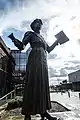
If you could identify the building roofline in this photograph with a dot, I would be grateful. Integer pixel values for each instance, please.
(4, 46)
(74, 72)
(6, 49)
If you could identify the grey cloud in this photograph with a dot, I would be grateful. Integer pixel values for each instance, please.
(7, 5)
(55, 27)
(52, 56)
(63, 72)
(52, 72)
(79, 41)
(25, 24)
(10, 4)
(73, 67)
(73, 17)
(74, 62)
(51, 1)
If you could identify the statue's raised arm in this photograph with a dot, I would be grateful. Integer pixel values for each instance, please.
(16, 42)
(50, 48)
(21, 45)
(61, 39)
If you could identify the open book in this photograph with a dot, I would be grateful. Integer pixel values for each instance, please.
(62, 37)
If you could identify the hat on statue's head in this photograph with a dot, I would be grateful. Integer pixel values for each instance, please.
(34, 22)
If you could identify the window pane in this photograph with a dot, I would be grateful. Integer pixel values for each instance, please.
(17, 61)
(22, 68)
(23, 55)
(23, 61)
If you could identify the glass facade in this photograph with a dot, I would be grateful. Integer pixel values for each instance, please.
(21, 59)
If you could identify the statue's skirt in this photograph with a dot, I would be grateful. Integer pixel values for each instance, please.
(36, 97)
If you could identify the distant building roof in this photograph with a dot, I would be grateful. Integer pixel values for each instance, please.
(78, 71)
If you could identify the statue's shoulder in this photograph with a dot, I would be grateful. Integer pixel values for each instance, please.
(28, 33)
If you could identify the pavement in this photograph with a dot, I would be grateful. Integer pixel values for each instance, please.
(72, 103)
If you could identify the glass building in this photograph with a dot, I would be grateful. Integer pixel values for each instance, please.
(21, 59)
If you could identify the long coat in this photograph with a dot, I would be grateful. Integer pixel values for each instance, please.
(36, 97)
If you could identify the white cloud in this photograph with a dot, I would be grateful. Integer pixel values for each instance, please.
(15, 17)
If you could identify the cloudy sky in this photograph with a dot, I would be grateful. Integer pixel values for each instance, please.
(57, 15)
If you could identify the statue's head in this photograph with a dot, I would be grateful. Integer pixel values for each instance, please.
(36, 25)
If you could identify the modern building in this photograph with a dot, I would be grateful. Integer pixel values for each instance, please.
(74, 78)
(21, 59)
(7, 64)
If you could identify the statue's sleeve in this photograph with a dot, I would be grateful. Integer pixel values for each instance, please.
(21, 45)
(26, 38)
(50, 48)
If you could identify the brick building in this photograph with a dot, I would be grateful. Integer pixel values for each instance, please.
(6, 67)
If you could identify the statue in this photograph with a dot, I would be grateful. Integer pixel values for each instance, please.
(36, 97)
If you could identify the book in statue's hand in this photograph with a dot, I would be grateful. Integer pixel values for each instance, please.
(61, 37)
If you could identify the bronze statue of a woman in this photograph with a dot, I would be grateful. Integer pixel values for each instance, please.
(36, 97)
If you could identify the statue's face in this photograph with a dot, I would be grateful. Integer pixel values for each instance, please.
(37, 26)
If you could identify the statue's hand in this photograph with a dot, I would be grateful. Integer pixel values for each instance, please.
(16, 42)
(11, 36)
(57, 42)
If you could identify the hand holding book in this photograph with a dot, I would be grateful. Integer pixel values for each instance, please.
(61, 37)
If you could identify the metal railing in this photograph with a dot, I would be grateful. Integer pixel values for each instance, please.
(9, 94)
(12, 94)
